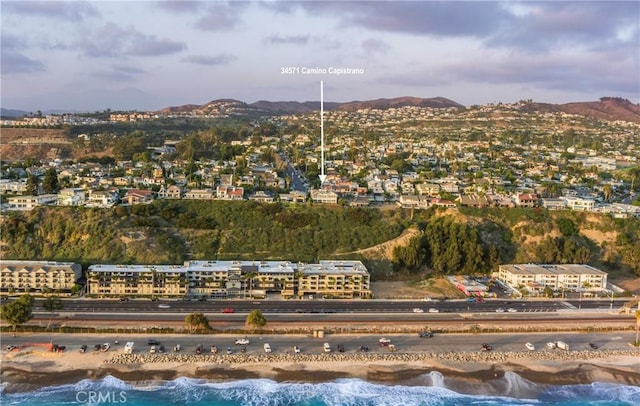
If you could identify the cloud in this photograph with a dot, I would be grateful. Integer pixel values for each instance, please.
(221, 16)
(222, 59)
(423, 18)
(373, 45)
(584, 73)
(113, 41)
(543, 26)
(64, 10)
(120, 74)
(13, 60)
(277, 39)
(187, 6)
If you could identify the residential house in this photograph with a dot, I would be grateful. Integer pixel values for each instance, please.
(138, 196)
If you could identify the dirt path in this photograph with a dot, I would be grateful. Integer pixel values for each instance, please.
(385, 250)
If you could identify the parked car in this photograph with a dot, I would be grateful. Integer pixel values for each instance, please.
(340, 348)
(153, 341)
(486, 347)
(530, 346)
(425, 334)
(434, 310)
(199, 349)
(229, 350)
(593, 346)
(105, 347)
(499, 310)
(214, 349)
(512, 310)
(296, 349)
(11, 347)
(177, 348)
(83, 348)
(326, 347)
(242, 341)
(418, 310)
(153, 349)
(267, 348)
(551, 345)
(384, 342)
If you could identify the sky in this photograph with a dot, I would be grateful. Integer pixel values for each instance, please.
(147, 55)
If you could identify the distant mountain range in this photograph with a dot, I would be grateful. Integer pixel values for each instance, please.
(607, 108)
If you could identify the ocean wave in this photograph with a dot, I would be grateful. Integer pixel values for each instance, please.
(347, 392)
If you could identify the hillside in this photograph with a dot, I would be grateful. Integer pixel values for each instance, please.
(608, 108)
(395, 244)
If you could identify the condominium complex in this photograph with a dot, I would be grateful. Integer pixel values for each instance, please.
(535, 277)
(231, 279)
(38, 276)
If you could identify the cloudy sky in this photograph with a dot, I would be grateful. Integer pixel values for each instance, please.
(146, 55)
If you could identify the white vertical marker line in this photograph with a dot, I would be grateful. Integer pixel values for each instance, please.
(322, 175)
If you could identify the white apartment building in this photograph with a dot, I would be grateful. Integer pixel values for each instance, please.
(535, 277)
(38, 276)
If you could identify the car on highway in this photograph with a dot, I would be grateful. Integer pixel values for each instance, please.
(242, 341)
(153, 341)
(499, 310)
(340, 348)
(530, 346)
(164, 306)
(267, 348)
(418, 310)
(434, 310)
(512, 310)
(425, 334)
(227, 310)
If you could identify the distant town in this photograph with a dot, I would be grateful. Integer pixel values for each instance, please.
(496, 155)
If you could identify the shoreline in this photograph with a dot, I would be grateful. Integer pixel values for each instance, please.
(460, 371)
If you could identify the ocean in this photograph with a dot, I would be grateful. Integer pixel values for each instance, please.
(512, 389)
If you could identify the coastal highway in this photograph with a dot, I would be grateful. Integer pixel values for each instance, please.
(411, 342)
(330, 306)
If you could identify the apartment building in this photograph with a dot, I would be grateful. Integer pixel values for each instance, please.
(137, 280)
(535, 277)
(230, 279)
(38, 276)
(339, 279)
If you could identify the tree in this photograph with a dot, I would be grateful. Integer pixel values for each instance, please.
(50, 183)
(32, 185)
(197, 321)
(51, 305)
(256, 319)
(17, 312)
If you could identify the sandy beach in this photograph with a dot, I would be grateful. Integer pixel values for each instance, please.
(30, 369)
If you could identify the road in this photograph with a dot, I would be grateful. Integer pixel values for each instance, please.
(440, 343)
(329, 306)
